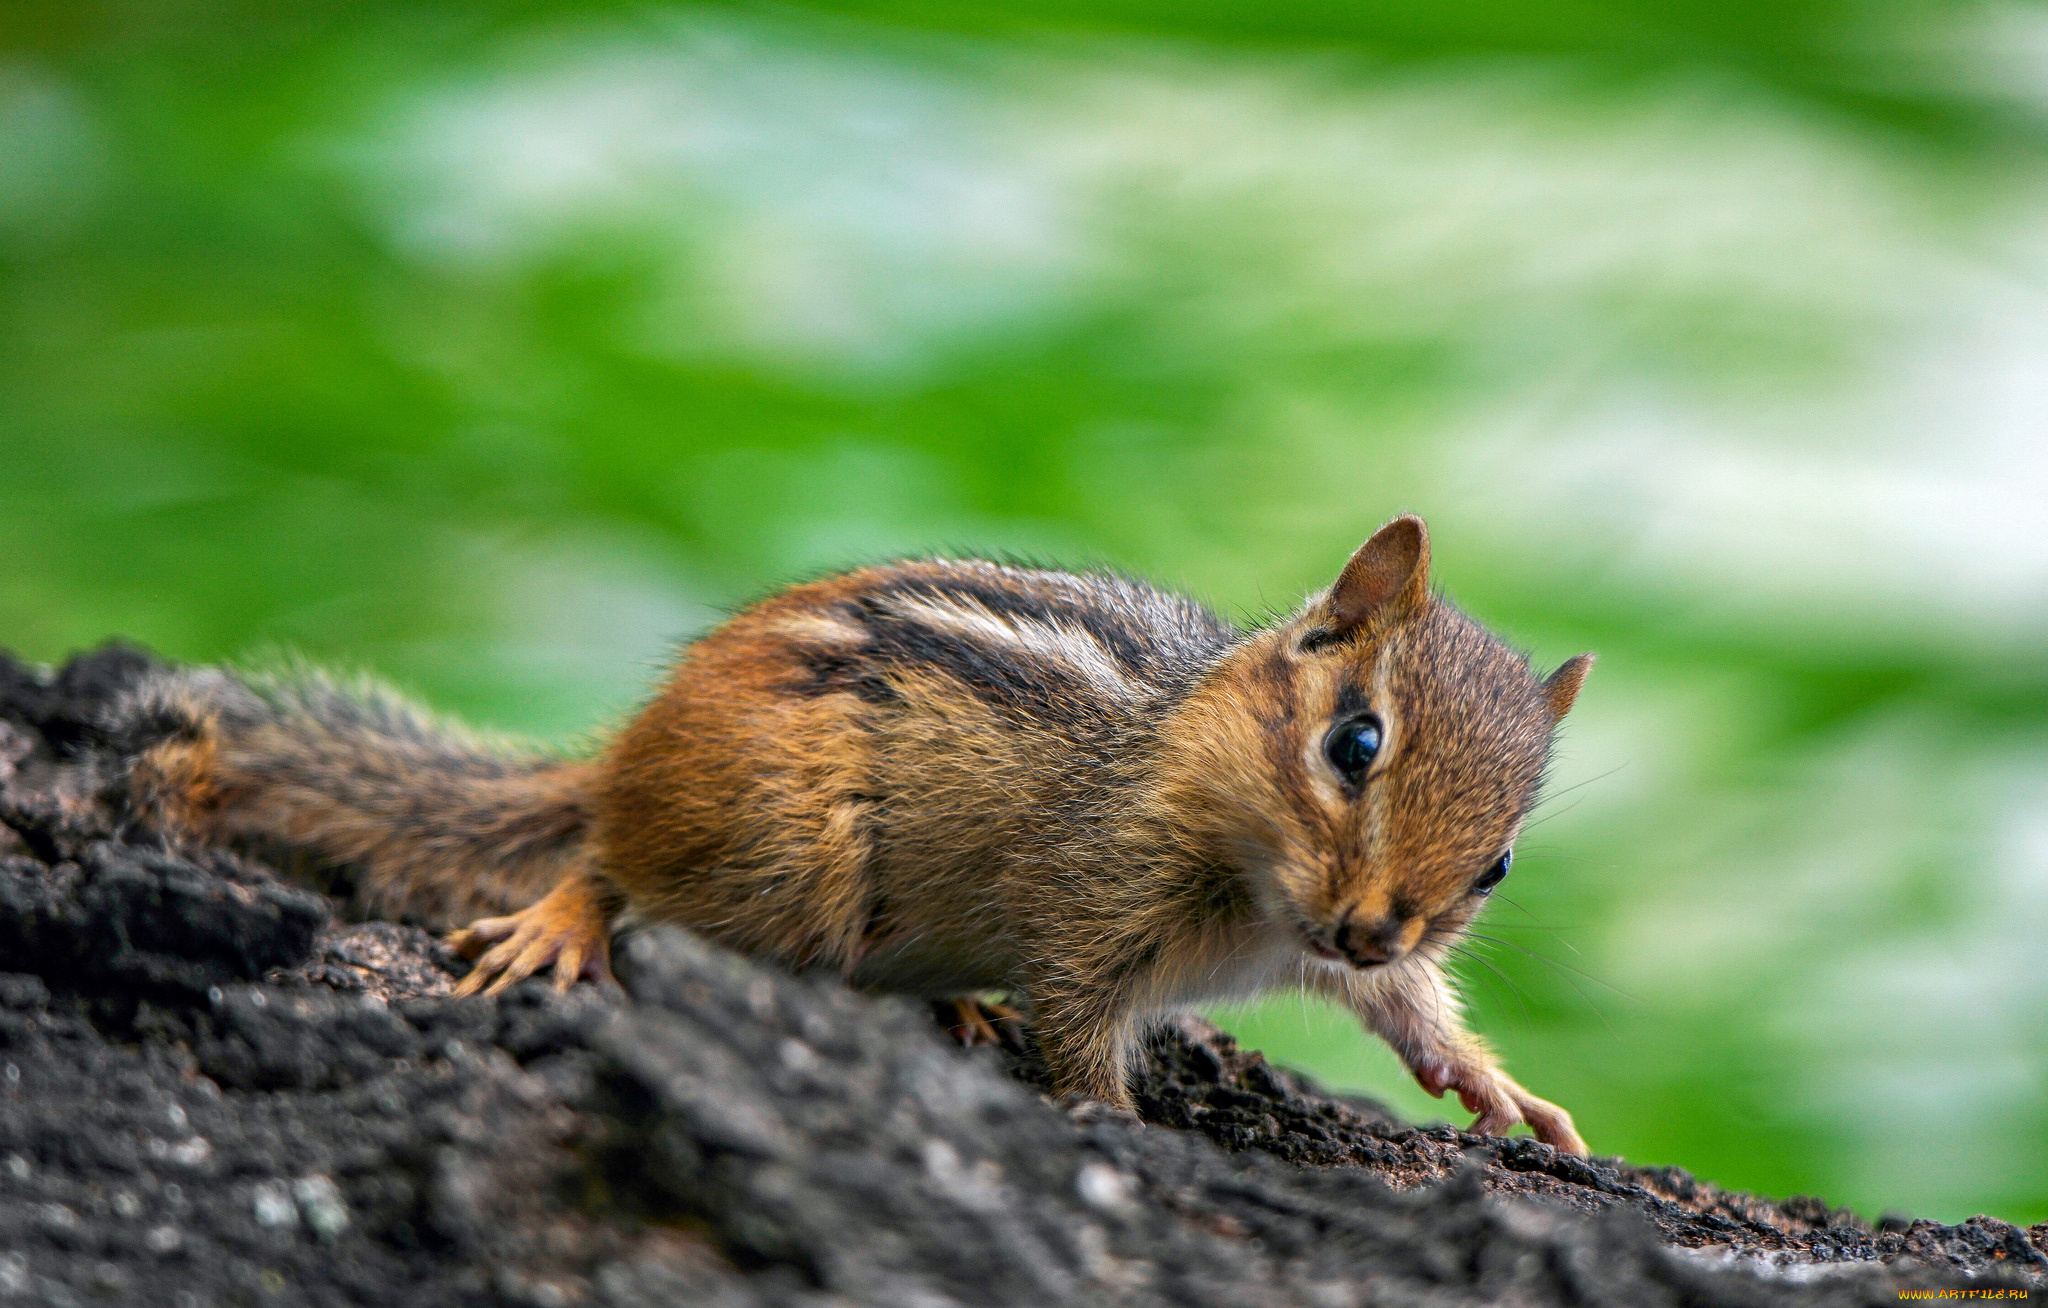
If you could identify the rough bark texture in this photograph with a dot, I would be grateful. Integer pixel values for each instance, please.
(215, 1090)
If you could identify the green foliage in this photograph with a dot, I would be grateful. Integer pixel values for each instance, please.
(497, 347)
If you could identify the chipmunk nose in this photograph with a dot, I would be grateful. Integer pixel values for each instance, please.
(1371, 943)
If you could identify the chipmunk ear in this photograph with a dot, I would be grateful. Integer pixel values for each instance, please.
(1390, 569)
(1562, 686)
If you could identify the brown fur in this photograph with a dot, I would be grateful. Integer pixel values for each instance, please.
(435, 825)
(944, 777)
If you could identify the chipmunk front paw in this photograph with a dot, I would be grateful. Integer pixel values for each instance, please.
(569, 928)
(1500, 1104)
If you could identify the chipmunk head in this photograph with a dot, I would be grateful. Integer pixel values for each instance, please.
(1368, 763)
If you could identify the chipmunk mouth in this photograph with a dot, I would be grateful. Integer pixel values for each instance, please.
(1319, 949)
(1331, 953)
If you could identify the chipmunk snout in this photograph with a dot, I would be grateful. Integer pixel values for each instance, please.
(1374, 941)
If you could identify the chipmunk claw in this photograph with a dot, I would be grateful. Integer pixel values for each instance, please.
(977, 1019)
(567, 929)
(1552, 1125)
(1501, 1104)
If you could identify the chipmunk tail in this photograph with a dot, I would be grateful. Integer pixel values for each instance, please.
(349, 785)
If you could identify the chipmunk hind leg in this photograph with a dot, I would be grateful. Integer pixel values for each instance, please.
(743, 806)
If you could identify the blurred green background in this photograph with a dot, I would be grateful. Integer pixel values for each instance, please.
(497, 346)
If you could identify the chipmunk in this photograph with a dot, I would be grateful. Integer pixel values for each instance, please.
(943, 777)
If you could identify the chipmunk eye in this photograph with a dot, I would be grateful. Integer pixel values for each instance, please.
(1494, 875)
(1351, 747)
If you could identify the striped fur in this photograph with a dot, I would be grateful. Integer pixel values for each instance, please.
(941, 777)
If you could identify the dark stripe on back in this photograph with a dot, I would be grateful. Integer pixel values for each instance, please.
(835, 670)
(1146, 631)
(1129, 647)
(1160, 642)
(1033, 689)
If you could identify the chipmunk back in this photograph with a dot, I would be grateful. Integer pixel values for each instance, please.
(942, 777)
